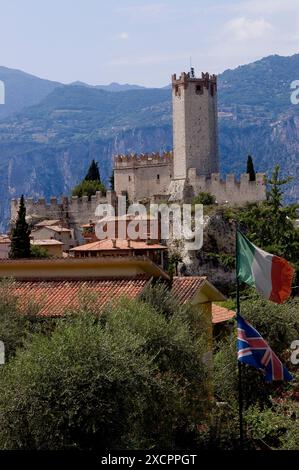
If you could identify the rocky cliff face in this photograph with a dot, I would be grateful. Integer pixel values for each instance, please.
(60, 168)
(270, 143)
(215, 259)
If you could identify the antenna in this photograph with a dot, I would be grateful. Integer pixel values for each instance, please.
(192, 74)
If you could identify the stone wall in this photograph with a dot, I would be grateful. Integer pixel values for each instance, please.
(229, 190)
(143, 176)
(138, 176)
(72, 212)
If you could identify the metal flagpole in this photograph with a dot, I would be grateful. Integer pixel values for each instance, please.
(240, 390)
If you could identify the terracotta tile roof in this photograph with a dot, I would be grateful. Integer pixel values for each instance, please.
(54, 228)
(55, 298)
(128, 217)
(185, 288)
(57, 228)
(4, 239)
(45, 242)
(221, 314)
(121, 244)
(43, 223)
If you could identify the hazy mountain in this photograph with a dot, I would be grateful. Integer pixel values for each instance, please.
(22, 90)
(46, 148)
(113, 87)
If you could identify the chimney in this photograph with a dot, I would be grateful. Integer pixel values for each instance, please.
(113, 243)
(129, 243)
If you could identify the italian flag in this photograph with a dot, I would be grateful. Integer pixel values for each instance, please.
(270, 275)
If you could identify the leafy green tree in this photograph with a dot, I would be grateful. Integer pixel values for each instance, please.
(270, 224)
(111, 181)
(279, 325)
(175, 256)
(250, 169)
(93, 173)
(161, 299)
(88, 188)
(267, 406)
(13, 324)
(39, 252)
(20, 237)
(206, 199)
(130, 379)
(91, 183)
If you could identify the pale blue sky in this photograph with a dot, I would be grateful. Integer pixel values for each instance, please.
(140, 41)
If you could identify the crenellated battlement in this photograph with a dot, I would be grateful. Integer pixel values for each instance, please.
(72, 210)
(229, 189)
(63, 203)
(142, 160)
(207, 81)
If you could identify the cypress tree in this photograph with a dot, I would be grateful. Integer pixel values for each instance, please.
(20, 238)
(111, 181)
(91, 183)
(250, 169)
(93, 173)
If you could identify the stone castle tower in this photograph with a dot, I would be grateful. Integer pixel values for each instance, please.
(193, 166)
(195, 125)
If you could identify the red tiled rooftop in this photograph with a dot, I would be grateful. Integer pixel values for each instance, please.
(4, 239)
(121, 244)
(54, 228)
(47, 222)
(46, 242)
(57, 228)
(55, 298)
(185, 288)
(220, 314)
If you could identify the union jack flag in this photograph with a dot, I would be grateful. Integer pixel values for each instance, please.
(255, 351)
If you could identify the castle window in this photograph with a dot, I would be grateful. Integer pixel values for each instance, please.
(177, 90)
(129, 178)
(199, 89)
(158, 177)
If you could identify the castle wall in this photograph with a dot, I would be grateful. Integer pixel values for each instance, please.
(229, 190)
(142, 176)
(73, 212)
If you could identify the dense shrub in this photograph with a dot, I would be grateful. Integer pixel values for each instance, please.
(132, 378)
(88, 188)
(206, 199)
